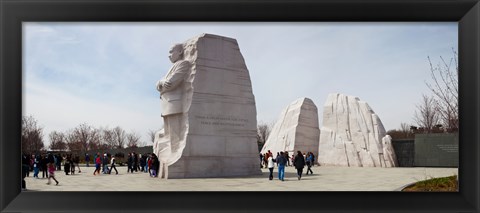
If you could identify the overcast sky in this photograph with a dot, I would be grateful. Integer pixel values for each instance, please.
(104, 74)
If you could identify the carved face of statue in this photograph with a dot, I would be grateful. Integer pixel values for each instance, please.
(175, 53)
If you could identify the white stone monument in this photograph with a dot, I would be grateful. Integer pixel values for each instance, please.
(388, 152)
(209, 111)
(351, 134)
(295, 130)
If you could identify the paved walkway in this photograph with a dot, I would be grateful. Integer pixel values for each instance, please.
(323, 179)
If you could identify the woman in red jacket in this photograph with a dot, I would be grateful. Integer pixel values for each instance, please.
(98, 162)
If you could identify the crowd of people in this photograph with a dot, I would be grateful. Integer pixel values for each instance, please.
(282, 160)
(48, 163)
(105, 163)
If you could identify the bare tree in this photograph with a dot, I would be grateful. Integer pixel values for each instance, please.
(119, 136)
(57, 141)
(263, 131)
(151, 134)
(95, 139)
(83, 138)
(32, 135)
(82, 133)
(108, 138)
(445, 90)
(73, 143)
(133, 140)
(427, 114)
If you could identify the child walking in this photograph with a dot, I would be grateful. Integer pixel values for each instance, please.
(51, 173)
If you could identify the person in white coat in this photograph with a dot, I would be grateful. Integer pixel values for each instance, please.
(271, 165)
(112, 165)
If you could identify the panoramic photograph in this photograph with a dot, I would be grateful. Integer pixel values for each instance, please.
(211, 106)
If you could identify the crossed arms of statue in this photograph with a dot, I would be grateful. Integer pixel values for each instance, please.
(174, 77)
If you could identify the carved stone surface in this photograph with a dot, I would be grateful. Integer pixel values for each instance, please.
(295, 130)
(388, 152)
(219, 127)
(351, 134)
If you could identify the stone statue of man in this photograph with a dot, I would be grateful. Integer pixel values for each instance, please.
(171, 86)
(172, 92)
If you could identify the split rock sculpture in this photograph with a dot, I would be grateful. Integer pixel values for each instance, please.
(351, 134)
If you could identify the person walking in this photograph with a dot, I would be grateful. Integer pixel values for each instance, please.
(155, 166)
(142, 162)
(66, 165)
(271, 165)
(147, 157)
(265, 159)
(59, 162)
(281, 162)
(130, 163)
(309, 162)
(87, 160)
(72, 165)
(105, 163)
(76, 163)
(51, 173)
(43, 166)
(299, 163)
(135, 162)
(112, 166)
(98, 162)
(149, 164)
(36, 166)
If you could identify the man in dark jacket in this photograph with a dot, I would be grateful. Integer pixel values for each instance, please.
(281, 161)
(135, 162)
(59, 162)
(299, 163)
(142, 163)
(105, 163)
(87, 160)
(43, 165)
(130, 163)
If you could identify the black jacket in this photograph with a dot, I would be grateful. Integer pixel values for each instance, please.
(299, 162)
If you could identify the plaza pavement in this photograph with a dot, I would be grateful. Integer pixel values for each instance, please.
(323, 179)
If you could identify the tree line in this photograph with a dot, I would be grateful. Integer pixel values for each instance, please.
(79, 139)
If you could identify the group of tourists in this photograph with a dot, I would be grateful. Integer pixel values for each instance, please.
(146, 163)
(282, 160)
(70, 162)
(102, 163)
(47, 163)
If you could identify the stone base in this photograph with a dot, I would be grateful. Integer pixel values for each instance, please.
(208, 167)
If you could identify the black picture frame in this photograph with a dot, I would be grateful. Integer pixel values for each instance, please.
(14, 12)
